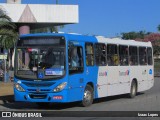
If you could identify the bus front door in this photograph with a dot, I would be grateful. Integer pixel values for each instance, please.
(76, 73)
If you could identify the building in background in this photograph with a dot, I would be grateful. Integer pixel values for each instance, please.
(29, 1)
(33, 14)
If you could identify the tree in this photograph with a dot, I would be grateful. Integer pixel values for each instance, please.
(158, 28)
(134, 35)
(154, 38)
(8, 34)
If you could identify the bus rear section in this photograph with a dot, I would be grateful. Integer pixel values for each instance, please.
(128, 68)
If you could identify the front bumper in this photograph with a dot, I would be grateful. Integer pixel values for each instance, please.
(60, 97)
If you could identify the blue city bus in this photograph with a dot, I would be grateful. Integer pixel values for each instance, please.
(62, 68)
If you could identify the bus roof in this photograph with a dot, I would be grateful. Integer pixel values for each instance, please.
(100, 39)
(120, 41)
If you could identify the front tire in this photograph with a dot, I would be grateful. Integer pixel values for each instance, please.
(133, 90)
(87, 96)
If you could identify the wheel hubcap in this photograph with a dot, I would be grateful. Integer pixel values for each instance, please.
(87, 96)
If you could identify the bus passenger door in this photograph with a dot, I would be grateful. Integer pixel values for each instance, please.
(90, 69)
(76, 73)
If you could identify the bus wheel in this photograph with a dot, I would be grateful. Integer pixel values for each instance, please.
(133, 90)
(88, 96)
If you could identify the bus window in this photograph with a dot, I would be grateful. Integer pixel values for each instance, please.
(75, 59)
(133, 55)
(100, 54)
(142, 56)
(123, 55)
(89, 54)
(149, 56)
(24, 60)
(112, 55)
(1, 51)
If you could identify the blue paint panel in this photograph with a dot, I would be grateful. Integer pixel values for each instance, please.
(3, 1)
(38, 1)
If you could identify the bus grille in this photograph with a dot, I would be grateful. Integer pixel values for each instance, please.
(38, 96)
(40, 90)
(38, 84)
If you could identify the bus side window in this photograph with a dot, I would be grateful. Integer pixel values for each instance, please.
(142, 55)
(133, 55)
(100, 54)
(149, 56)
(112, 55)
(75, 57)
(89, 54)
(123, 55)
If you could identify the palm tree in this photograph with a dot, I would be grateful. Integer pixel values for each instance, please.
(8, 34)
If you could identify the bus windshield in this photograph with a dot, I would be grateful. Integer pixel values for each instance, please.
(36, 60)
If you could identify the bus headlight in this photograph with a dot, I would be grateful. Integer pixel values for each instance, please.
(60, 87)
(19, 87)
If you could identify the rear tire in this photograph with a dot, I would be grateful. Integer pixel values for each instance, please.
(87, 96)
(133, 90)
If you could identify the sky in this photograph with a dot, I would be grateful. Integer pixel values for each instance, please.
(110, 18)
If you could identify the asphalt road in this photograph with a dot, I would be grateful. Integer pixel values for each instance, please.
(147, 101)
